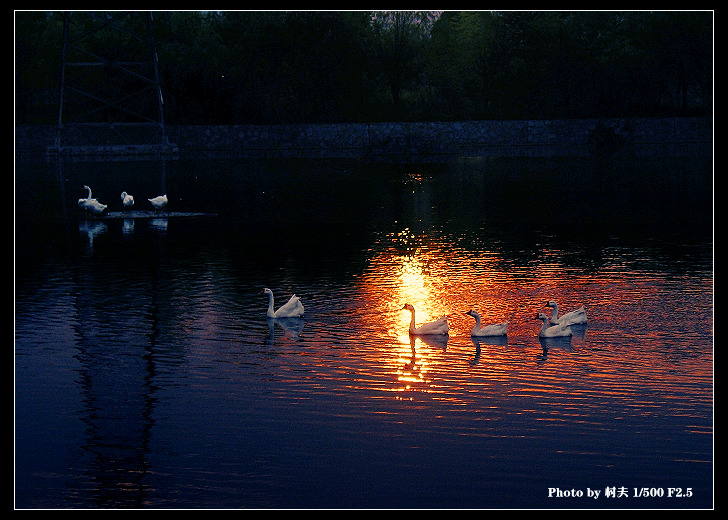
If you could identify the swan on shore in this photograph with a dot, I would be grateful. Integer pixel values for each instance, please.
(95, 207)
(292, 309)
(570, 318)
(90, 204)
(438, 326)
(497, 329)
(552, 331)
(127, 200)
(82, 202)
(159, 202)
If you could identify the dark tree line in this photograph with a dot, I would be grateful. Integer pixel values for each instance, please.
(242, 67)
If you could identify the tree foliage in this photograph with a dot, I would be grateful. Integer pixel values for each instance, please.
(261, 67)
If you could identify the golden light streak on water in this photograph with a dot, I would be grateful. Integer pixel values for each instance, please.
(439, 279)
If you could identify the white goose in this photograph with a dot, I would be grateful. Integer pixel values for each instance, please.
(127, 200)
(438, 326)
(95, 207)
(497, 329)
(576, 317)
(292, 309)
(159, 202)
(90, 204)
(82, 202)
(553, 331)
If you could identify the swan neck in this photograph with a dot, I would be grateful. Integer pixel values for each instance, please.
(412, 321)
(270, 303)
(555, 313)
(545, 324)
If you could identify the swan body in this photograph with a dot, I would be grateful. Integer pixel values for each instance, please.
(95, 207)
(552, 331)
(292, 309)
(127, 200)
(90, 204)
(82, 202)
(497, 329)
(159, 202)
(576, 317)
(438, 326)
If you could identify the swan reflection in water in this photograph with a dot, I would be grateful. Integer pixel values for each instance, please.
(563, 343)
(159, 224)
(578, 331)
(433, 340)
(415, 368)
(412, 364)
(91, 230)
(413, 372)
(127, 227)
(498, 341)
(291, 327)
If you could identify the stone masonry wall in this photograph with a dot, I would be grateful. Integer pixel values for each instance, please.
(674, 137)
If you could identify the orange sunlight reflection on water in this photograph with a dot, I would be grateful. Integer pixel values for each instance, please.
(439, 279)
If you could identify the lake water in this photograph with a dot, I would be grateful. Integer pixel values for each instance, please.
(146, 374)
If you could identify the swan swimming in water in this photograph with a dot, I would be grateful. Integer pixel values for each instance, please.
(576, 317)
(497, 329)
(127, 200)
(553, 331)
(292, 309)
(438, 326)
(159, 202)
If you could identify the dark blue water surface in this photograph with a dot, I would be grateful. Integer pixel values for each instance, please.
(147, 375)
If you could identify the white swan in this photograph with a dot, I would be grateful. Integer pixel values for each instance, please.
(292, 309)
(82, 202)
(438, 326)
(553, 331)
(95, 207)
(570, 318)
(159, 202)
(497, 329)
(90, 204)
(127, 200)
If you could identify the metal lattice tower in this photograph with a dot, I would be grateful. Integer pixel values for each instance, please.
(110, 96)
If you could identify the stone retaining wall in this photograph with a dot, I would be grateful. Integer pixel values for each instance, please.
(674, 137)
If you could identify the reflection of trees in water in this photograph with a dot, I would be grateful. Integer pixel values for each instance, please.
(568, 208)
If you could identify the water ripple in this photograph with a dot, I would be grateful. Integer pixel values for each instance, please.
(147, 374)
